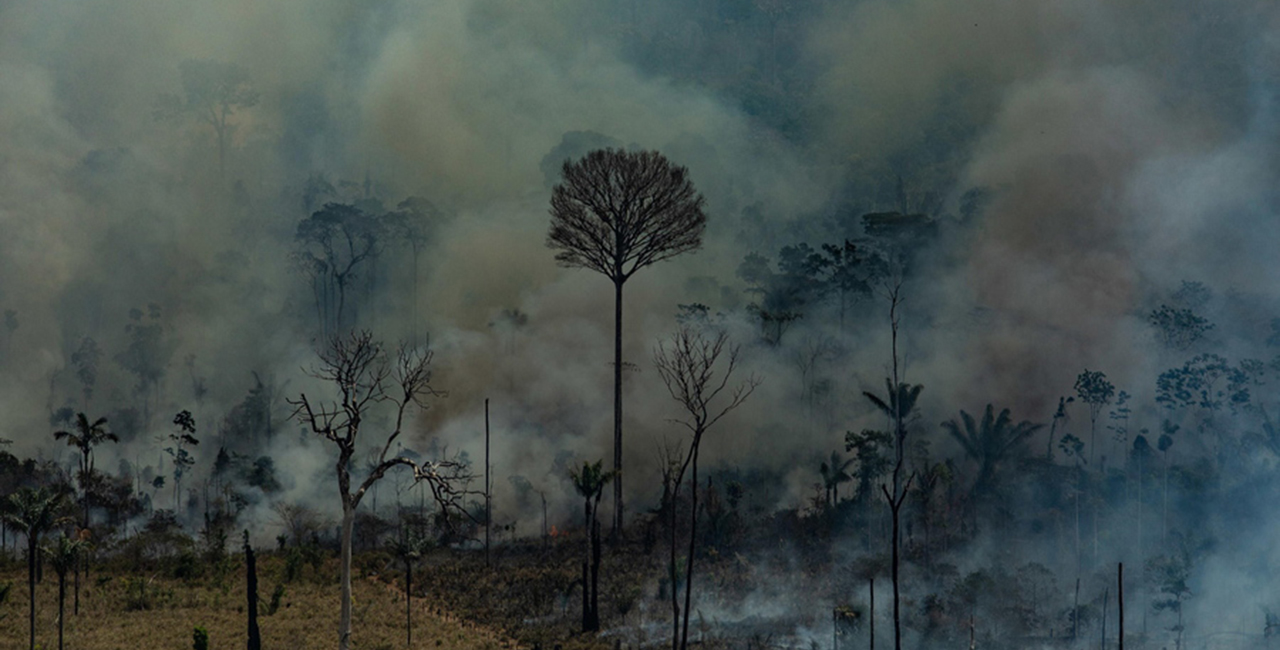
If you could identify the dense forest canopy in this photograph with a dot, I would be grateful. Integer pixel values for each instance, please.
(1058, 218)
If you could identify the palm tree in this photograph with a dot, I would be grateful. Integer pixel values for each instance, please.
(899, 407)
(85, 437)
(62, 556)
(833, 474)
(589, 484)
(989, 442)
(33, 511)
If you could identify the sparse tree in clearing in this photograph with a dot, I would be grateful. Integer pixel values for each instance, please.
(589, 483)
(616, 212)
(688, 365)
(33, 511)
(86, 436)
(63, 555)
(212, 92)
(409, 548)
(365, 377)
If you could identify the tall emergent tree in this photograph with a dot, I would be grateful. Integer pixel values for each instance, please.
(690, 366)
(33, 511)
(616, 212)
(364, 376)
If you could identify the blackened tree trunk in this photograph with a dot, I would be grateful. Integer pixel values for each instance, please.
(32, 551)
(871, 587)
(595, 575)
(408, 601)
(693, 540)
(251, 568)
(1120, 599)
(617, 407)
(62, 599)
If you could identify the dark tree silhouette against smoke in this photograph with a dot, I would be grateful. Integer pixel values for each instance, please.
(690, 366)
(616, 212)
(364, 376)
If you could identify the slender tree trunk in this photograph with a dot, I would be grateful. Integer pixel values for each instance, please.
(675, 598)
(1106, 600)
(595, 572)
(488, 486)
(897, 621)
(617, 406)
(344, 620)
(251, 578)
(693, 540)
(408, 602)
(871, 588)
(62, 599)
(586, 566)
(1120, 599)
(1075, 612)
(32, 548)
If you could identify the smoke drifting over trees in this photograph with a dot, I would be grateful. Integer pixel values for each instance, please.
(1057, 187)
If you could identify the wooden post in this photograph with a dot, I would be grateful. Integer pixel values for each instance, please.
(872, 618)
(488, 485)
(1120, 599)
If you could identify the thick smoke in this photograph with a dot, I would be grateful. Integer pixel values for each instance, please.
(1119, 148)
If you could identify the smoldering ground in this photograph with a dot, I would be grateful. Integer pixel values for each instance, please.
(1123, 148)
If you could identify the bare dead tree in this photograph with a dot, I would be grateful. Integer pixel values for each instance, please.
(688, 365)
(365, 378)
(616, 212)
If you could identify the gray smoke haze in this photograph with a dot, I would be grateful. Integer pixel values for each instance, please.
(1123, 146)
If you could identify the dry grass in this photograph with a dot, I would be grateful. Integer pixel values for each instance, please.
(307, 616)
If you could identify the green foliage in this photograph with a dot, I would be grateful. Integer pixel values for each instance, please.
(200, 638)
(273, 603)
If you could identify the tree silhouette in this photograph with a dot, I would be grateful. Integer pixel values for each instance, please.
(833, 474)
(33, 511)
(616, 212)
(212, 92)
(409, 548)
(688, 365)
(359, 369)
(84, 438)
(335, 244)
(988, 442)
(63, 555)
(589, 483)
(1094, 390)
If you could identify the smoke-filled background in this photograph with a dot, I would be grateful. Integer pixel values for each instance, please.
(1054, 173)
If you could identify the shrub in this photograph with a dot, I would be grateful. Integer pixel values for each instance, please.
(200, 638)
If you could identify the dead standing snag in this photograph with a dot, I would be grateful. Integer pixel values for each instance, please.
(364, 378)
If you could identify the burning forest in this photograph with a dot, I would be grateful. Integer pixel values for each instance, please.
(752, 325)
